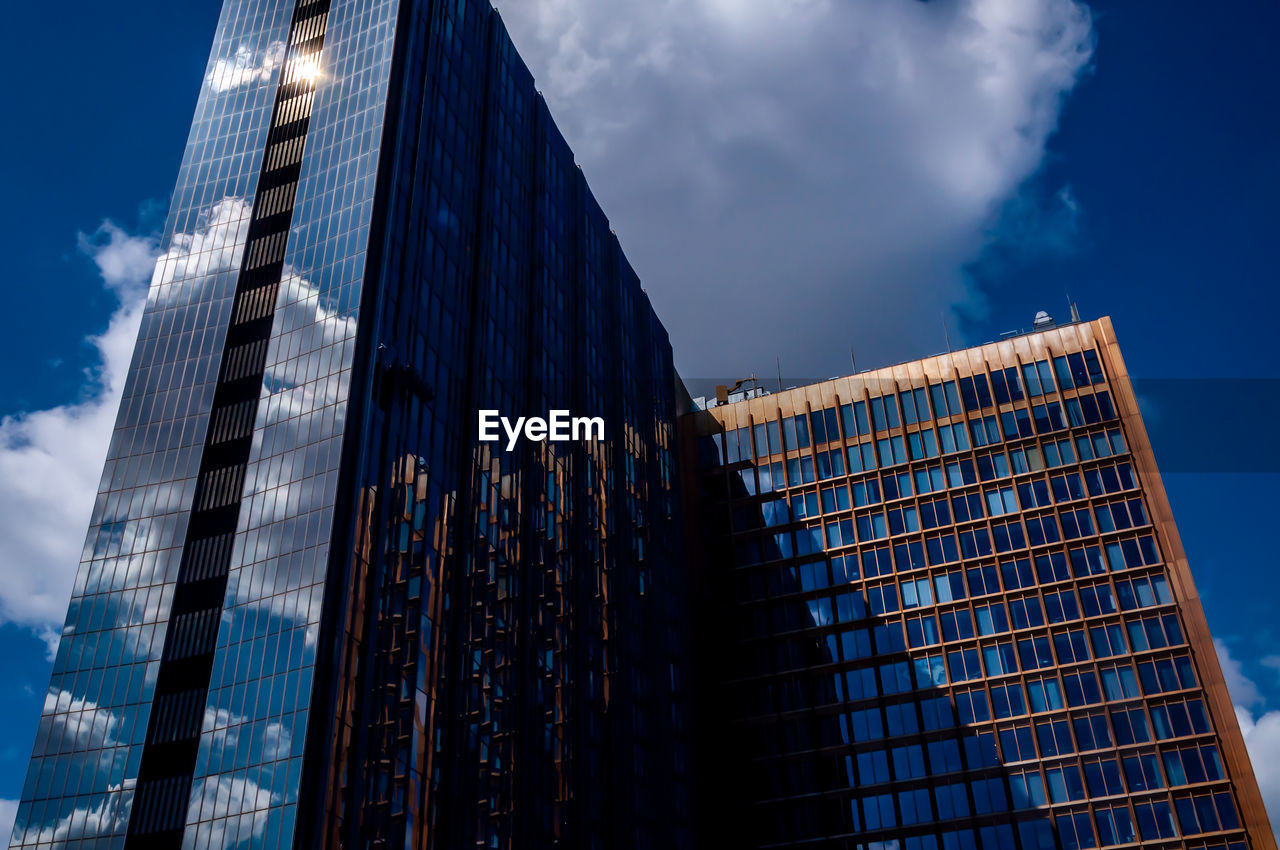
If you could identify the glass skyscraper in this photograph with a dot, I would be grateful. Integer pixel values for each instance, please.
(314, 608)
(944, 606)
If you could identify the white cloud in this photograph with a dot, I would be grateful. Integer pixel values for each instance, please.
(1261, 730)
(1242, 688)
(51, 460)
(106, 815)
(245, 67)
(212, 247)
(81, 723)
(50, 463)
(790, 176)
(219, 799)
(125, 261)
(782, 171)
(277, 742)
(221, 729)
(8, 811)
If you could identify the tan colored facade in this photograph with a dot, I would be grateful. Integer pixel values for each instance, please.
(730, 490)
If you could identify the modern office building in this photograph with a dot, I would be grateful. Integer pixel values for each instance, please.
(314, 607)
(945, 607)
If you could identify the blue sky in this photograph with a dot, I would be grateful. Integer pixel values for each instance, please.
(1142, 181)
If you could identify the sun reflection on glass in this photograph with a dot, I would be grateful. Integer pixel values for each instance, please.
(305, 68)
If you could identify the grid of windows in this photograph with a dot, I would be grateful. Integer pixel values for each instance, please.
(82, 780)
(320, 610)
(260, 686)
(539, 594)
(956, 604)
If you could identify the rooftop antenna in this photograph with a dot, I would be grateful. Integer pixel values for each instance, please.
(853, 361)
(946, 332)
(779, 359)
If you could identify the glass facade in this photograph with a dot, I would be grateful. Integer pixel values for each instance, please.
(950, 610)
(522, 611)
(313, 606)
(89, 748)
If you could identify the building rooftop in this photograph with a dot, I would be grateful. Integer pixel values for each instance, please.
(1042, 322)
